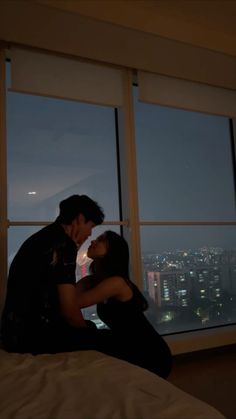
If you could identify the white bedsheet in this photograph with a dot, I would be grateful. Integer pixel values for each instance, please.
(90, 385)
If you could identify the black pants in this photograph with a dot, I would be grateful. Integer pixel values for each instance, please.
(149, 352)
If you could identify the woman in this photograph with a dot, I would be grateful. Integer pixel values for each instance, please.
(121, 306)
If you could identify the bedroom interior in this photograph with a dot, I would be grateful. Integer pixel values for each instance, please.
(149, 42)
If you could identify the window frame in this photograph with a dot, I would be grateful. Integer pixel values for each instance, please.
(130, 223)
(3, 180)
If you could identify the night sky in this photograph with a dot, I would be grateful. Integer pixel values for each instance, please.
(57, 148)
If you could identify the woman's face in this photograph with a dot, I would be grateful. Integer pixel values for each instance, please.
(98, 247)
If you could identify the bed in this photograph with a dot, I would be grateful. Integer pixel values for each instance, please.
(90, 385)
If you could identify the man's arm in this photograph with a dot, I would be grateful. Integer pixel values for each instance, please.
(69, 305)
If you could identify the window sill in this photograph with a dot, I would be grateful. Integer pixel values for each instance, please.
(201, 339)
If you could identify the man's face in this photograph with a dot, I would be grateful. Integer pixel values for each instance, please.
(81, 229)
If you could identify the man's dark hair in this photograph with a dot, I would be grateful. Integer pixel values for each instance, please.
(74, 205)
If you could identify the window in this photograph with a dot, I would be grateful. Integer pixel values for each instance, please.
(185, 169)
(57, 148)
(185, 183)
(168, 170)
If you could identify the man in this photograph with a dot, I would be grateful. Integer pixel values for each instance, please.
(41, 312)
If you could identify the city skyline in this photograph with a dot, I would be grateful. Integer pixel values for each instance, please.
(186, 290)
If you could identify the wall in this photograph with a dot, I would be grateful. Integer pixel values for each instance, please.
(209, 24)
(34, 24)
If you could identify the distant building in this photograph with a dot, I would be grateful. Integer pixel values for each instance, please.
(207, 283)
(169, 288)
(180, 287)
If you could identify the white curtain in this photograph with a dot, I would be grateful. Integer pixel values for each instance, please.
(169, 91)
(50, 75)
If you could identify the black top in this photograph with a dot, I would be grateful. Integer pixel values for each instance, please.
(45, 259)
(126, 317)
(135, 339)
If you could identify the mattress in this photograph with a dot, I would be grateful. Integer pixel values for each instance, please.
(90, 385)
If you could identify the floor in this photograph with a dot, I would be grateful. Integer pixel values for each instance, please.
(209, 375)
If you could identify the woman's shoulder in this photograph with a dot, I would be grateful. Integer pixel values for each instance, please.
(123, 290)
(115, 281)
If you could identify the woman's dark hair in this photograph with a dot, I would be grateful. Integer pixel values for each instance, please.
(116, 263)
(80, 204)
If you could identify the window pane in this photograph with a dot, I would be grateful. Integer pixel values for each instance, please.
(16, 237)
(189, 276)
(57, 148)
(184, 165)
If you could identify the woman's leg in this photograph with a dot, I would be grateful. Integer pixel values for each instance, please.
(154, 354)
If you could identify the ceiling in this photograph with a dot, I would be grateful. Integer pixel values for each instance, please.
(207, 23)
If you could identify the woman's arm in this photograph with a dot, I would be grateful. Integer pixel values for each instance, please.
(111, 287)
(84, 284)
